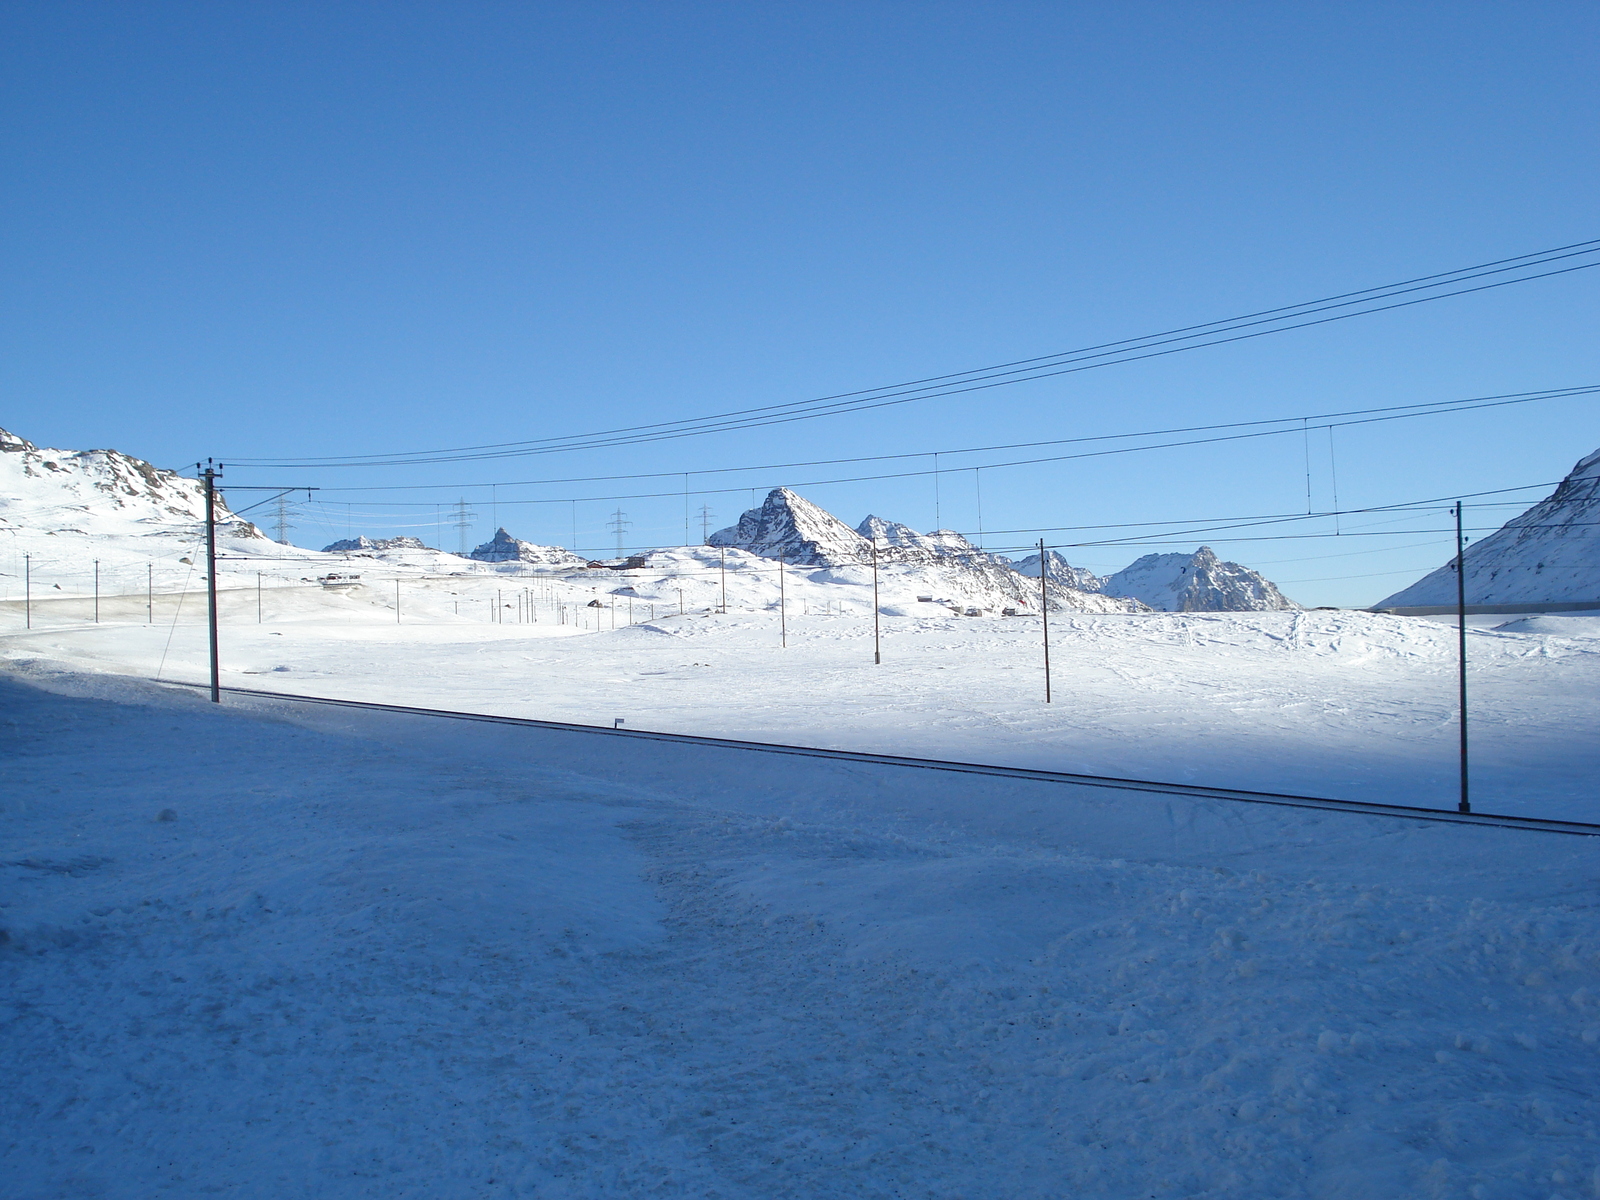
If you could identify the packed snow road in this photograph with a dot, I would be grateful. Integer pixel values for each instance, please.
(272, 951)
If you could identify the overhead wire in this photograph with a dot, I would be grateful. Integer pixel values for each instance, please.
(1147, 346)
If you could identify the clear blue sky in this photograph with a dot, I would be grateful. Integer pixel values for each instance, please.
(291, 229)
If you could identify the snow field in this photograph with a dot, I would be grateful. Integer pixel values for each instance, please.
(373, 955)
(1348, 704)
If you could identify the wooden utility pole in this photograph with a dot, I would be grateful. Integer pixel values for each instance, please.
(1044, 615)
(208, 474)
(1465, 803)
(877, 642)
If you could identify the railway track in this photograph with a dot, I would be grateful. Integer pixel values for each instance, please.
(1237, 795)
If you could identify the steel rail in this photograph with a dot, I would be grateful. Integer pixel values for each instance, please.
(1195, 791)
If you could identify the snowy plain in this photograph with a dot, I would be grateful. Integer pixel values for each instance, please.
(266, 950)
(272, 949)
(1352, 705)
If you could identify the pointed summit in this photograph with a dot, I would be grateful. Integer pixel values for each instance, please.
(505, 548)
(1198, 582)
(791, 527)
(1548, 555)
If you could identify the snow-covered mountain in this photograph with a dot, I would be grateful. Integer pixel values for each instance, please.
(503, 548)
(892, 536)
(366, 545)
(1060, 570)
(1549, 554)
(942, 564)
(70, 517)
(789, 526)
(99, 492)
(1199, 582)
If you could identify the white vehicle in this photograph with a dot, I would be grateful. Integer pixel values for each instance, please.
(339, 580)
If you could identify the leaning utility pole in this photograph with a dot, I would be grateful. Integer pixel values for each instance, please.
(1464, 804)
(208, 474)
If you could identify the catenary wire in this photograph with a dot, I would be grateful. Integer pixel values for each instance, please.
(1065, 362)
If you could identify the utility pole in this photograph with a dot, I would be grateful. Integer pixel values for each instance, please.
(97, 591)
(150, 593)
(1044, 615)
(724, 550)
(208, 474)
(1464, 804)
(705, 521)
(281, 522)
(877, 644)
(462, 520)
(27, 588)
(397, 602)
(783, 610)
(620, 524)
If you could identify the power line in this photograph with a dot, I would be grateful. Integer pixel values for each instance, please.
(1387, 413)
(1174, 341)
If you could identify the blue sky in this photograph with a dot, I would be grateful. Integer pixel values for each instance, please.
(291, 230)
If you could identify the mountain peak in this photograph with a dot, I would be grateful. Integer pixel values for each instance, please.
(789, 526)
(1060, 570)
(505, 548)
(1198, 582)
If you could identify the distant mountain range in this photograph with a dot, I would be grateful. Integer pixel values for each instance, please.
(789, 526)
(75, 512)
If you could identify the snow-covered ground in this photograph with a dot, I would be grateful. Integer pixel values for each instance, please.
(1348, 704)
(260, 952)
